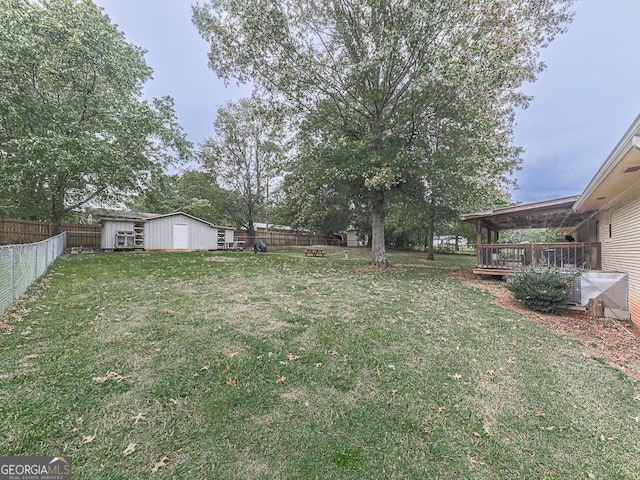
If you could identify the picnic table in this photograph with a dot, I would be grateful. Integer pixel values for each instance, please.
(314, 252)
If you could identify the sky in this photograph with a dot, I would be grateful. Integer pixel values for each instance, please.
(582, 103)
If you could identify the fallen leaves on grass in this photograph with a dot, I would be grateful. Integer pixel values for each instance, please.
(30, 357)
(232, 353)
(332, 352)
(137, 418)
(280, 379)
(111, 376)
(539, 413)
(5, 327)
(163, 463)
(88, 439)
(231, 382)
(131, 448)
(292, 357)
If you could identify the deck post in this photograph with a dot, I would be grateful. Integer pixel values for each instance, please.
(478, 241)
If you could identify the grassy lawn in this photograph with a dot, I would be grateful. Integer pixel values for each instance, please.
(277, 366)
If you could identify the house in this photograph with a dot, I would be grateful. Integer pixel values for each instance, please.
(603, 222)
(449, 242)
(613, 195)
(172, 231)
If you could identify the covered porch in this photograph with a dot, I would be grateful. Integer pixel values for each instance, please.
(494, 258)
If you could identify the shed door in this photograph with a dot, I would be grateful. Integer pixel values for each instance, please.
(180, 236)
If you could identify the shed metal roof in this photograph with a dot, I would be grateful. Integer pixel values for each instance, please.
(145, 217)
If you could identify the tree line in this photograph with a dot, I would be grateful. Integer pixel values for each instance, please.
(388, 116)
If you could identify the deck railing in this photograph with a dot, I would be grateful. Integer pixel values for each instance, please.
(515, 256)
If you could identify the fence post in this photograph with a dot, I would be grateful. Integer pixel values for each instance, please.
(11, 278)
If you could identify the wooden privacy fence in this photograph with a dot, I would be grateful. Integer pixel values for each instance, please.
(14, 231)
(282, 238)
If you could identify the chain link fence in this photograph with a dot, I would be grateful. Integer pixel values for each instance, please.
(21, 265)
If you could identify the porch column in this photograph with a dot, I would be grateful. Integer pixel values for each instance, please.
(478, 242)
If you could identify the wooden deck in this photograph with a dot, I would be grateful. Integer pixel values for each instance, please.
(507, 258)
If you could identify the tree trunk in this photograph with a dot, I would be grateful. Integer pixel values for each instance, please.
(378, 253)
(57, 213)
(430, 232)
(251, 233)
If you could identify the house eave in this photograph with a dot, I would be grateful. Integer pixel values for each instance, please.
(630, 141)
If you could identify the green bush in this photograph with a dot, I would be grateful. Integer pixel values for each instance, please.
(541, 291)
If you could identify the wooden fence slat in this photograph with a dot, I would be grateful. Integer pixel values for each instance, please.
(17, 231)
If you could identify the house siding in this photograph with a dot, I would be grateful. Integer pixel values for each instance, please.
(621, 251)
(159, 233)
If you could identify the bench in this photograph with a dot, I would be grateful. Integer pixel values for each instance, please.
(314, 252)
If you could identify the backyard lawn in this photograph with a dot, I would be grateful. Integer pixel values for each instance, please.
(281, 366)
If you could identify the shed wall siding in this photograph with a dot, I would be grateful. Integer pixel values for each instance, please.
(109, 228)
(159, 233)
(621, 252)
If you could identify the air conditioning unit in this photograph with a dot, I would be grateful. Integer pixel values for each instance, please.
(124, 239)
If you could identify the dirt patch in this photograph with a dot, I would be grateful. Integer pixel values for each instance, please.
(613, 340)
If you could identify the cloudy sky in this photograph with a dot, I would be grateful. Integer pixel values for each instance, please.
(583, 102)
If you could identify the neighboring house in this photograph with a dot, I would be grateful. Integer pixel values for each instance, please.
(450, 242)
(604, 221)
(173, 231)
(614, 195)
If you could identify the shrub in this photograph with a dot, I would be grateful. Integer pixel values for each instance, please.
(541, 291)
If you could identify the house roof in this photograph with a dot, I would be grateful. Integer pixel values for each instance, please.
(550, 213)
(618, 174)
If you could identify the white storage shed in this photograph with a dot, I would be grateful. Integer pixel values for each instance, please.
(173, 231)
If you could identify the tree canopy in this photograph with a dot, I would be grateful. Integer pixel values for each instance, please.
(73, 126)
(243, 156)
(194, 192)
(371, 78)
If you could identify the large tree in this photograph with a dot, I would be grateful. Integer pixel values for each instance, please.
(368, 74)
(194, 192)
(243, 155)
(73, 126)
